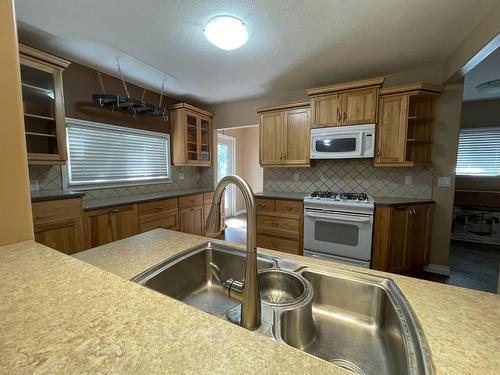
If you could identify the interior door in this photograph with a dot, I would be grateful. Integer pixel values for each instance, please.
(359, 107)
(226, 160)
(391, 129)
(271, 138)
(325, 111)
(297, 136)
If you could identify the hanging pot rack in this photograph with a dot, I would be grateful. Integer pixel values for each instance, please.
(126, 103)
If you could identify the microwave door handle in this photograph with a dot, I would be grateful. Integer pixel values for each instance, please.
(338, 217)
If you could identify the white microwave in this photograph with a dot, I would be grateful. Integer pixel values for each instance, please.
(343, 142)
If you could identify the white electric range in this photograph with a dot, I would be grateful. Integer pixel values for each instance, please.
(339, 226)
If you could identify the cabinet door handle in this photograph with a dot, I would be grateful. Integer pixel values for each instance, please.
(284, 156)
(378, 154)
(338, 116)
(344, 116)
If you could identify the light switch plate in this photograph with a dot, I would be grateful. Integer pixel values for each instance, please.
(181, 176)
(408, 180)
(296, 177)
(444, 181)
(34, 185)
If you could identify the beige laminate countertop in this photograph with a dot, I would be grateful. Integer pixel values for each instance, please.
(61, 315)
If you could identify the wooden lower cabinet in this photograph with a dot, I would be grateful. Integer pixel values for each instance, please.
(280, 225)
(191, 220)
(158, 214)
(402, 238)
(108, 225)
(58, 224)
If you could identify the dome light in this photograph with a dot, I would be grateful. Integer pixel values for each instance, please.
(226, 32)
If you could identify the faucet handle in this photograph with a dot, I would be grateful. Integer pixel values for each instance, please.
(214, 268)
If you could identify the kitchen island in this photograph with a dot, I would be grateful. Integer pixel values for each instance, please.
(61, 315)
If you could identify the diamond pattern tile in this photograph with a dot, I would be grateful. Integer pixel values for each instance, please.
(50, 177)
(351, 175)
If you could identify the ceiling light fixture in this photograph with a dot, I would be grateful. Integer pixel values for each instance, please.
(490, 87)
(226, 32)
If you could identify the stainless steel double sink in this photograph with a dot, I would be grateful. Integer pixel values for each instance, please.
(355, 320)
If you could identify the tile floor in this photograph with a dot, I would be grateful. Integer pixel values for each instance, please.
(472, 265)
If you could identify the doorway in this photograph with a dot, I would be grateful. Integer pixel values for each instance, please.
(226, 165)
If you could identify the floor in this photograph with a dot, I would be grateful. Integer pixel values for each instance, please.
(472, 265)
(236, 229)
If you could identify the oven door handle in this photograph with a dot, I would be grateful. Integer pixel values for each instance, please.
(339, 217)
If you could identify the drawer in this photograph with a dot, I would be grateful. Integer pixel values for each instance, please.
(290, 207)
(157, 206)
(264, 205)
(166, 222)
(272, 223)
(208, 198)
(48, 211)
(191, 201)
(279, 244)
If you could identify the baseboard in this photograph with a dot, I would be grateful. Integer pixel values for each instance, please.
(240, 212)
(436, 268)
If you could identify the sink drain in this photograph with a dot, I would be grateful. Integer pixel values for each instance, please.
(348, 366)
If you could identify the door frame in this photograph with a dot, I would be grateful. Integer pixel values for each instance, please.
(233, 161)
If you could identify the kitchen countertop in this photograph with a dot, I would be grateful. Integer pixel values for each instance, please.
(388, 201)
(280, 195)
(461, 325)
(50, 195)
(63, 315)
(96, 204)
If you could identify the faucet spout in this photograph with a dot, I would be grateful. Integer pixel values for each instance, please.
(250, 292)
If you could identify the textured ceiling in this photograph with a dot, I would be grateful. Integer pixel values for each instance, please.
(487, 70)
(293, 44)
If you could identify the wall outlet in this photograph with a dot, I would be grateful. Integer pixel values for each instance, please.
(444, 181)
(296, 177)
(34, 185)
(408, 180)
(181, 176)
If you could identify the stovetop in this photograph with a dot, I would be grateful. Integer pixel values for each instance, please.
(345, 201)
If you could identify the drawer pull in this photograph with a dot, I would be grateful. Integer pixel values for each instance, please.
(275, 224)
(159, 208)
(289, 208)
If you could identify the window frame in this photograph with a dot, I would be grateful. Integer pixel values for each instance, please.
(475, 175)
(113, 184)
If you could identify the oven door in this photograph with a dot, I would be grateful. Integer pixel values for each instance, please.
(336, 145)
(338, 233)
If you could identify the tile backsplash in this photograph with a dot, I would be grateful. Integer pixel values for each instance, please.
(50, 177)
(356, 175)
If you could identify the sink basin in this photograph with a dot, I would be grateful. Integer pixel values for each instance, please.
(357, 321)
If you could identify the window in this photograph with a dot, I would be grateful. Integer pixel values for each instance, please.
(479, 152)
(102, 155)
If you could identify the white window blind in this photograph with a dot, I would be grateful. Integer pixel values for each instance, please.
(100, 154)
(479, 152)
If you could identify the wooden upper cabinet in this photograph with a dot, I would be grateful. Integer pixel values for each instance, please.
(271, 138)
(296, 137)
(359, 106)
(325, 111)
(191, 130)
(405, 122)
(285, 135)
(391, 134)
(349, 103)
(43, 102)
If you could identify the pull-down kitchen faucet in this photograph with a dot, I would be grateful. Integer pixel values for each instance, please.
(246, 291)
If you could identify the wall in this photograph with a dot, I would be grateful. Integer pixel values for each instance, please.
(356, 175)
(15, 206)
(247, 159)
(479, 114)
(80, 83)
(444, 155)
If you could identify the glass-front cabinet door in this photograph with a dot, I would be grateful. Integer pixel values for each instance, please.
(205, 146)
(43, 111)
(192, 137)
